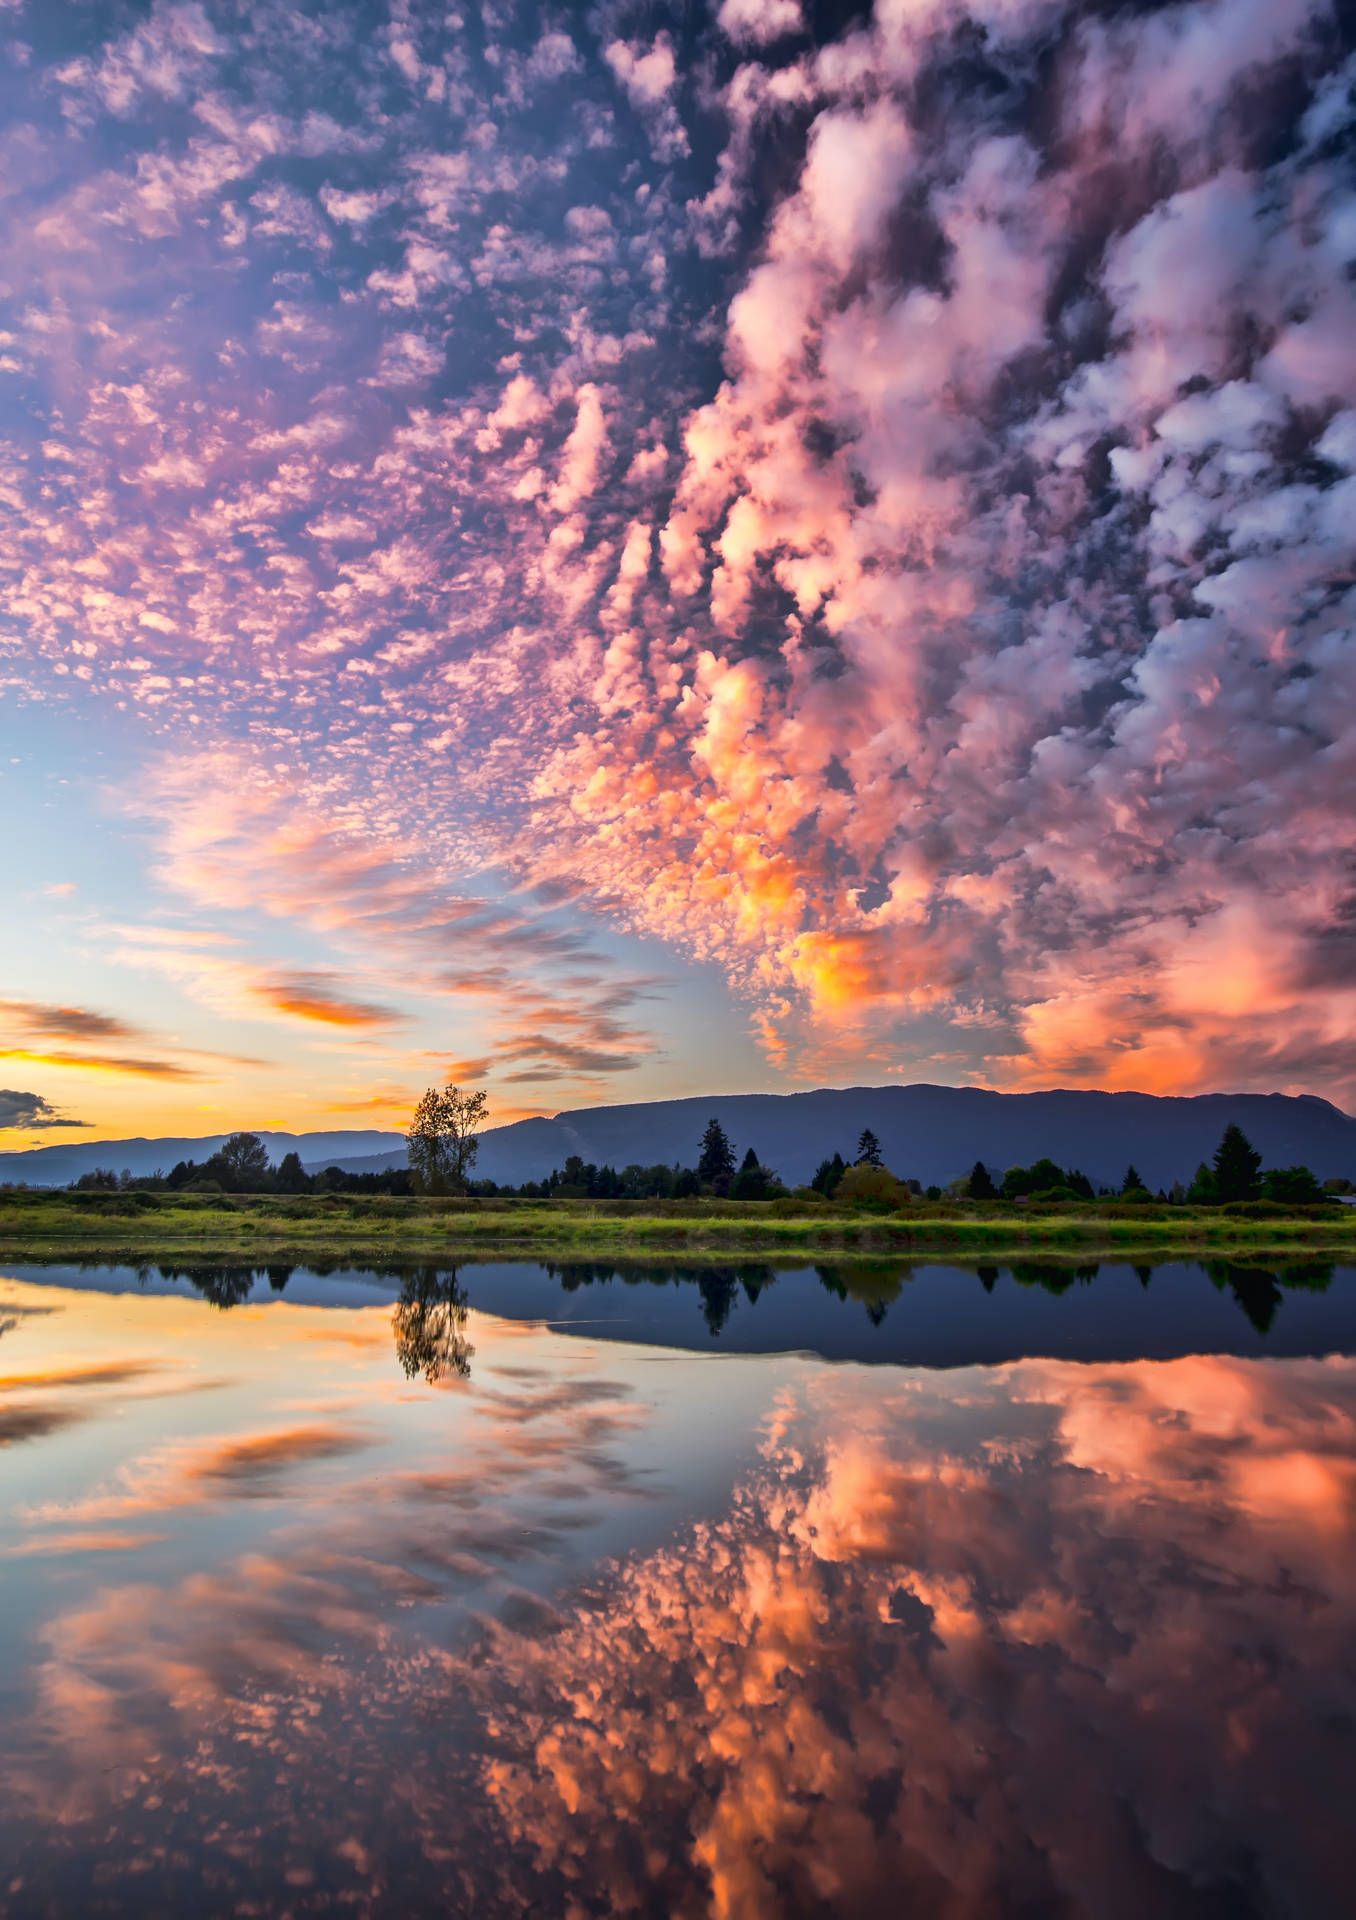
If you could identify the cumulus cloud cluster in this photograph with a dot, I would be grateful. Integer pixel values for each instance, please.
(873, 511)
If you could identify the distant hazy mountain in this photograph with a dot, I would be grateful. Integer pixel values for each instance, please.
(58, 1166)
(930, 1134)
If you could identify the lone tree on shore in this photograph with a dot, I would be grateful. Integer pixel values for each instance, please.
(1132, 1182)
(1237, 1167)
(717, 1163)
(868, 1150)
(442, 1142)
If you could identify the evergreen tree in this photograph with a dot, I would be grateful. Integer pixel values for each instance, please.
(827, 1175)
(751, 1182)
(981, 1183)
(1201, 1192)
(717, 1163)
(868, 1150)
(1236, 1167)
(1132, 1182)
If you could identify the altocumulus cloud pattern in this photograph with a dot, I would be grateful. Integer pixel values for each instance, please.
(866, 497)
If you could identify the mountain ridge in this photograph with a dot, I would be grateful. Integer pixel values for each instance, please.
(927, 1132)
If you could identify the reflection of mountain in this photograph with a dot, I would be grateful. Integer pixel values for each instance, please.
(877, 1285)
(918, 1314)
(430, 1326)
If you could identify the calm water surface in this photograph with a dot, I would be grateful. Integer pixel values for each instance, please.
(1012, 1591)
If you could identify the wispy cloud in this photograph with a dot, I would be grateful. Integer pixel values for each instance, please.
(319, 997)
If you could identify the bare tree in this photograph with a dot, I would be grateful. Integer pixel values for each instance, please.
(442, 1142)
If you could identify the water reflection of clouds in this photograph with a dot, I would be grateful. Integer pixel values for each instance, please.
(1089, 1671)
(40, 1402)
(1047, 1637)
(305, 1654)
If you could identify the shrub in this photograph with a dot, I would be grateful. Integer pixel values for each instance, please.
(1292, 1186)
(871, 1186)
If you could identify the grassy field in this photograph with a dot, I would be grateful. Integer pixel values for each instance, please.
(361, 1229)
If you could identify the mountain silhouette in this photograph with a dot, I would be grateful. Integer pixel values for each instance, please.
(927, 1133)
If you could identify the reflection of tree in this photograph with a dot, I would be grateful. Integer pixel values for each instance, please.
(1313, 1275)
(988, 1278)
(220, 1286)
(718, 1288)
(1258, 1289)
(1046, 1273)
(278, 1277)
(1254, 1288)
(430, 1326)
(573, 1274)
(874, 1285)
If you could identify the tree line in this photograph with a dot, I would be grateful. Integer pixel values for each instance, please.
(241, 1165)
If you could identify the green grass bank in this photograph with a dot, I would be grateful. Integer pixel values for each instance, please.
(133, 1227)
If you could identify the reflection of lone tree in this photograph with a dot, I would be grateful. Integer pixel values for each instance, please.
(442, 1141)
(430, 1327)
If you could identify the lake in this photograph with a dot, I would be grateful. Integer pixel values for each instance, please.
(750, 1591)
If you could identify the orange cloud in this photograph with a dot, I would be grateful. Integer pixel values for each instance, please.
(314, 996)
(104, 1063)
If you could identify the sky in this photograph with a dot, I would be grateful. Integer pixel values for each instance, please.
(610, 553)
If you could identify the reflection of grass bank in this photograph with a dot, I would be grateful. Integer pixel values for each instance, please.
(363, 1229)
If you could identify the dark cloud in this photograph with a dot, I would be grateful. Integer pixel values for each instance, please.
(63, 1023)
(30, 1110)
(34, 1422)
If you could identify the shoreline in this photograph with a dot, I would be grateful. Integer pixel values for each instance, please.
(118, 1229)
